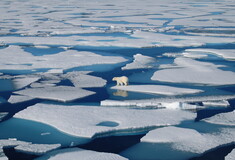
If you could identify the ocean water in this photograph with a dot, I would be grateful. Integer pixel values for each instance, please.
(83, 44)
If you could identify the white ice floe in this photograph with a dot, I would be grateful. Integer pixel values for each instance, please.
(18, 99)
(81, 79)
(223, 119)
(28, 147)
(36, 149)
(88, 121)
(158, 89)
(182, 143)
(192, 71)
(225, 53)
(58, 93)
(20, 83)
(231, 155)
(216, 103)
(79, 154)
(156, 101)
(140, 62)
(188, 139)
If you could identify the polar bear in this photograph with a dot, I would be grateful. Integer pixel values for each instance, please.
(121, 80)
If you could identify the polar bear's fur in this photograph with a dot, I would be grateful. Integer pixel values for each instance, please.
(121, 80)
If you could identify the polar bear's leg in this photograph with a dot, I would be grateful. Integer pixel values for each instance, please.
(119, 83)
(125, 83)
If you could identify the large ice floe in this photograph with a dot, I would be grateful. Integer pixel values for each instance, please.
(80, 154)
(88, 121)
(184, 143)
(157, 89)
(186, 70)
(58, 93)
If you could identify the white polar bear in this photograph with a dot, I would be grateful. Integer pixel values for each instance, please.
(121, 80)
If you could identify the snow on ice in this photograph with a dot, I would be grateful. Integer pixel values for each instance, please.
(58, 93)
(83, 120)
(196, 71)
(223, 119)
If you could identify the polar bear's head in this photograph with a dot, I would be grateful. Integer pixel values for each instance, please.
(115, 78)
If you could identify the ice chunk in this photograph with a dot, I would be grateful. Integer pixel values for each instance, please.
(231, 156)
(223, 119)
(36, 149)
(192, 71)
(18, 99)
(11, 143)
(156, 101)
(58, 93)
(83, 120)
(20, 83)
(80, 79)
(158, 89)
(80, 154)
(217, 103)
(140, 62)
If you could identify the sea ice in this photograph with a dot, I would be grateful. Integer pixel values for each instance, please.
(18, 99)
(58, 93)
(79, 154)
(216, 103)
(183, 143)
(36, 149)
(83, 120)
(222, 119)
(158, 89)
(2, 115)
(140, 62)
(192, 71)
(231, 156)
(228, 54)
(81, 79)
(156, 101)
(20, 83)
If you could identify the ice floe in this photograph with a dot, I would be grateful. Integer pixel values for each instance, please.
(28, 147)
(155, 102)
(217, 103)
(231, 156)
(83, 120)
(228, 54)
(58, 93)
(183, 143)
(18, 99)
(81, 79)
(20, 83)
(80, 154)
(36, 149)
(223, 119)
(192, 71)
(158, 89)
(140, 62)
